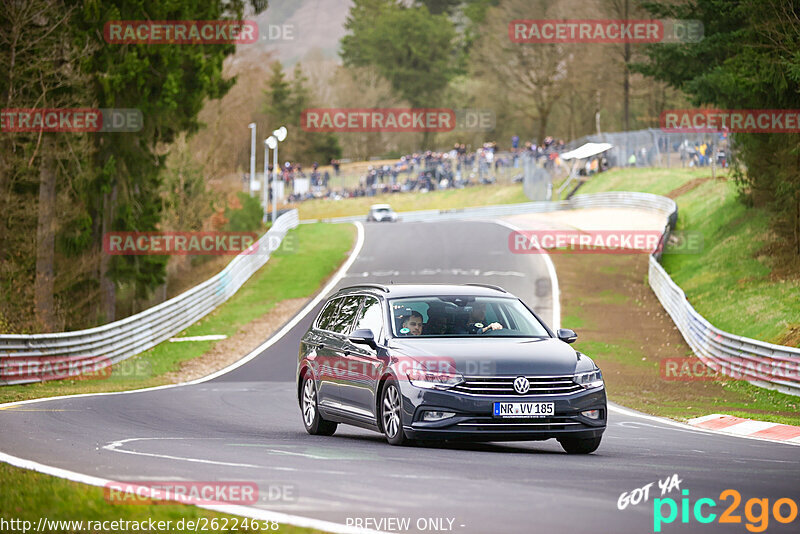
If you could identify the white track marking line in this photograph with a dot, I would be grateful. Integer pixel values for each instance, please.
(341, 273)
(257, 513)
(299, 317)
(244, 511)
(115, 446)
(551, 272)
(276, 337)
(684, 426)
(302, 454)
(79, 395)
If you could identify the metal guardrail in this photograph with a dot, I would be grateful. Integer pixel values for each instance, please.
(114, 342)
(763, 364)
(613, 199)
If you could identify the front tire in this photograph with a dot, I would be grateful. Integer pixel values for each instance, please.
(580, 446)
(312, 420)
(391, 414)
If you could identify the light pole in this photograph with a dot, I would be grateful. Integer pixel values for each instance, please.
(264, 197)
(273, 144)
(252, 127)
(278, 135)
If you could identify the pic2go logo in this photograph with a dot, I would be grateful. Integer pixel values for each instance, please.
(757, 521)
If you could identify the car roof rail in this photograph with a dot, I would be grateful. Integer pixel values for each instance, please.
(362, 286)
(490, 286)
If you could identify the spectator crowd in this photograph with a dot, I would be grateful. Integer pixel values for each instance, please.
(458, 167)
(463, 166)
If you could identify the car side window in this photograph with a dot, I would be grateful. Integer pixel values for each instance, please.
(327, 314)
(371, 316)
(346, 314)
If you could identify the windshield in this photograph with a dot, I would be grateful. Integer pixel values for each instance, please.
(463, 316)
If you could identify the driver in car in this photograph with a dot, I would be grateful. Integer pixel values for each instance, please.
(412, 325)
(476, 324)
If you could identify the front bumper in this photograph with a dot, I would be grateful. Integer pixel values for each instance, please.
(474, 420)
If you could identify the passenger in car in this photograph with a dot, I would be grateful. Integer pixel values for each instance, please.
(476, 324)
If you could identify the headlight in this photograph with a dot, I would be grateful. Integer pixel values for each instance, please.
(431, 380)
(436, 415)
(592, 379)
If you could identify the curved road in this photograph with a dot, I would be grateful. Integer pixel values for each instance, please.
(245, 425)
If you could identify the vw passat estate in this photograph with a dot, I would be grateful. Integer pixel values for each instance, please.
(446, 362)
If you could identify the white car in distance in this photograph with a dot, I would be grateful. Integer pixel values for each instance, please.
(382, 213)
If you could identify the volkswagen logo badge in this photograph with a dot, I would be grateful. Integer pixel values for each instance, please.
(521, 385)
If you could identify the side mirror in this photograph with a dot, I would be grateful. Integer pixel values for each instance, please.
(566, 335)
(363, 336)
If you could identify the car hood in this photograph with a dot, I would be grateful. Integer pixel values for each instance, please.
(494, 356)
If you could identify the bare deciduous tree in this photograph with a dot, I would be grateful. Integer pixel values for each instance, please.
(534, 73)
(38, 57)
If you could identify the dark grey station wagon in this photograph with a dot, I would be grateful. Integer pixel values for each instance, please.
(446, 362)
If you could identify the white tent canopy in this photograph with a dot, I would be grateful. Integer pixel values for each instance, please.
(587, 151)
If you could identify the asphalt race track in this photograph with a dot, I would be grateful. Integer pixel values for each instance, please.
(246, 426)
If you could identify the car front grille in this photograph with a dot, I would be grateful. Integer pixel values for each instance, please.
(504, 386)
(494, 424)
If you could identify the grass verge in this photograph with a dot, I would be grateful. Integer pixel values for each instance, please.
(630, 334)
(733, 281)
(309, 255)
(29, 496)
(645, 180)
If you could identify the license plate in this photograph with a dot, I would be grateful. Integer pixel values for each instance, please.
(523, 409)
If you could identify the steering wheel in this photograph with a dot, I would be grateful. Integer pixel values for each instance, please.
(483, 332)
(498, 332)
